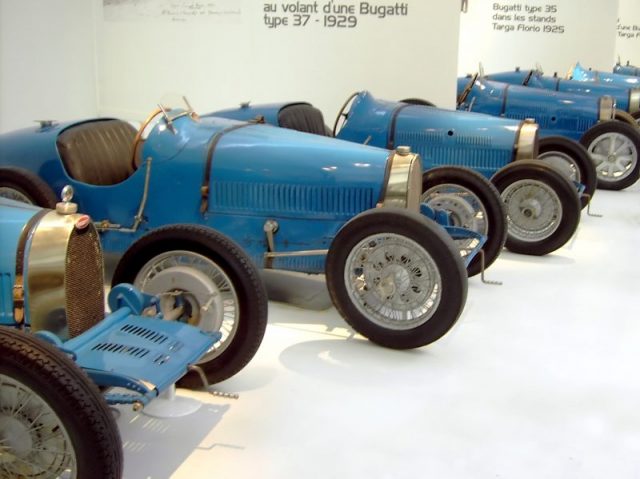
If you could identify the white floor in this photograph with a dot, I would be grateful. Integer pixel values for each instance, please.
(539, 379)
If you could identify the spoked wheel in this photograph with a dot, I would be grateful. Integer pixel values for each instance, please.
(473, 203)
(53, 421)
(614, 147)
(572, 160)
(206, 280)
(543, 210)
(396, 278)
(22, 185)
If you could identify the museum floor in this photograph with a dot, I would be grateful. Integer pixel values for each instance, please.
(539, 379)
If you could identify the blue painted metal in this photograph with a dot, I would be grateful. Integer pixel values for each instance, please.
(565, 114)
(309, 184)
(143, 354)
(626, 69)
(535, 79)
(578, 72)
(441, 137)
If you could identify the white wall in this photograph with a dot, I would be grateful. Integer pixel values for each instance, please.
(584, 31)
(221, 60)
(628, 34)
(46, 61)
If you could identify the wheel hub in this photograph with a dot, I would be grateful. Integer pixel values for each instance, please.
(534, 210)
(394, 280)
(531, 208)
(188, 295)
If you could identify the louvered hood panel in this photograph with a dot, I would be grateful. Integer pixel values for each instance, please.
(269, 171)
(445, 137)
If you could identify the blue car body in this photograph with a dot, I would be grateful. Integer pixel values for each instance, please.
(312, 190)
(441, 137)
(565, 114)
(626, 98)
(580, 73)
(60, 298)
(627, 69)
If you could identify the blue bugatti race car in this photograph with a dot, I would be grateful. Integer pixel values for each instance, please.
(166, 197)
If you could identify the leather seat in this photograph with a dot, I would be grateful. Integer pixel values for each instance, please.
(98, 152)
(303, 117)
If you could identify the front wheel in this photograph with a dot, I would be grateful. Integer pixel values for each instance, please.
(396, 278)
(53, 421)
(472, 203)
(203, 278)
(614, 147)
(543, 210)
(572, 160)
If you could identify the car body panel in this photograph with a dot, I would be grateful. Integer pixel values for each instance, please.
(626, 97)
(441, 137)
(564, 114)
(577, 72)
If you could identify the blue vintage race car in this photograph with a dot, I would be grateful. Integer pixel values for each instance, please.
(57, 346)
(627, 98)
(612, 145)
(542, 207)
(293, 201)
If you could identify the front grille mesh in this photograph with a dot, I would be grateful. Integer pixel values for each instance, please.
(84, 281)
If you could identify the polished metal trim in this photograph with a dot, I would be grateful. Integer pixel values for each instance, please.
(404, 185)
(625, 117)
(45, 271)
(634, 100)
(607, 108)
(527, 143)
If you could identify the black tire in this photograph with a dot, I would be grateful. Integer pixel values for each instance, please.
(79, 414)
(595, 141)
(21, 185)
(236, 350)
(517, 183)
(575, 156)
(417, 101)
(427, 245)
(483, 192)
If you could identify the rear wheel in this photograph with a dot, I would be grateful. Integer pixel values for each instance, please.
(396, 278)
(572, 160)
(473, 203)
(543, 210)
(614, 148)
(417, 101)
(26, 187)
(53, 421)
(204, 279)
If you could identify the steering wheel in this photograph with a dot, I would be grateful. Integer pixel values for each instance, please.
(343, 114)
(467, 89)
(139, 139)
(527, 79)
